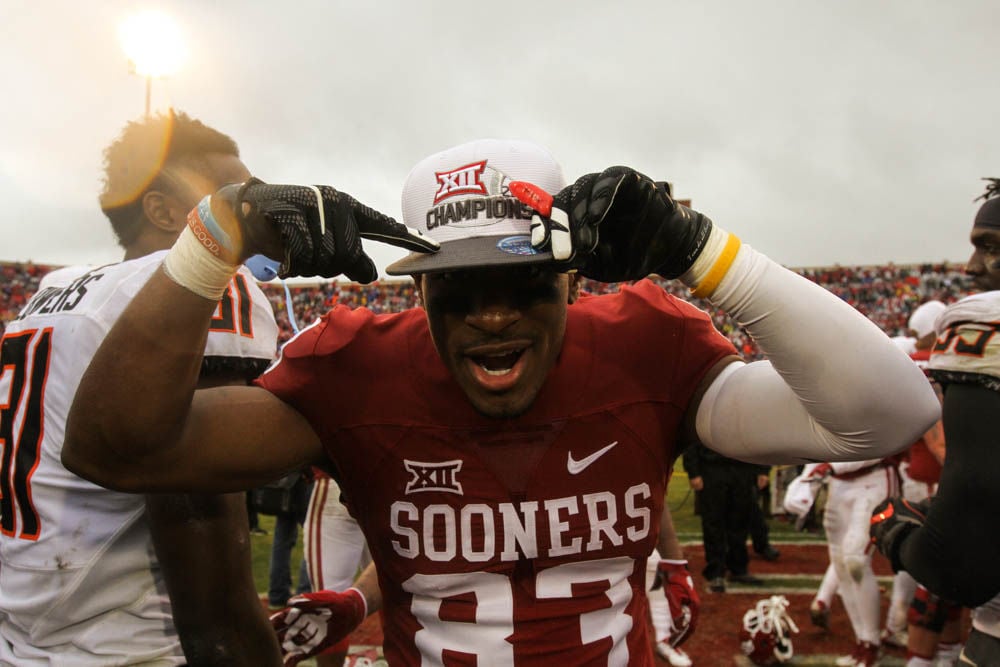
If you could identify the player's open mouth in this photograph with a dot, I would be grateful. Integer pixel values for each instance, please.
(498, 364)
(497, 367)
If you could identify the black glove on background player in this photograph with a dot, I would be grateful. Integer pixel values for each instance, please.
(320, 228)
(621, 225)
(892, 520)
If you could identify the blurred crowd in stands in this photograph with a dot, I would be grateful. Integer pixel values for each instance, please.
(18, 283)
(885, 294)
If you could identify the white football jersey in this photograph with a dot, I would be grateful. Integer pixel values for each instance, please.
(79, 581)
(968, 344)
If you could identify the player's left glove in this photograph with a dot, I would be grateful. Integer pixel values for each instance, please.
(616, 225)
(313, 622)
(892, 521)
(320, 229)
(682, 597)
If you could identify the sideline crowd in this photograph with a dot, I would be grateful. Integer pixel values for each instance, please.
(886, 294)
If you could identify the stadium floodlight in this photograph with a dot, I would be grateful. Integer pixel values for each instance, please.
(153, 45)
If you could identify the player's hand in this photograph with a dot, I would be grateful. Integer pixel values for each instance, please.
(313, 622)
(311, 230)
(682, 597)
(892, 520)
(616, 225)
(820, 472)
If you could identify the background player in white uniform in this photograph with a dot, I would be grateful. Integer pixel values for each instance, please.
(855, 488)
(335, 549)
(922, 325)
(674, 604)
(958, 528)
(800, 496)
(81, 581)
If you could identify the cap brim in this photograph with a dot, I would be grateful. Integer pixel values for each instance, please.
(481, 252)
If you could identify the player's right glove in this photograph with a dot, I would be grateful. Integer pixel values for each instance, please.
(314, 622)
(682, 597)
(892, 521)
(616, 225)
(319, 229)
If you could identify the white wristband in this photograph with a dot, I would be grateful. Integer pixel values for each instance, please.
(364, 602)
(712, 263)
(193, 266)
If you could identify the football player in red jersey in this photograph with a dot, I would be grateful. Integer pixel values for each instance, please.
(505, 454)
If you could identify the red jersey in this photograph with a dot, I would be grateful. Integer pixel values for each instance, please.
(923, 466)
(922, 359)
(512, 541)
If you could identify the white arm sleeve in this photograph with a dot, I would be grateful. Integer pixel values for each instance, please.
(833, 388)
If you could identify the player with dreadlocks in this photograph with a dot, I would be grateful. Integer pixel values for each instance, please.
(930, 543)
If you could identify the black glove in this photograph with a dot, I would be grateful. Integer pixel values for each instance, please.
(320, 228)
(892, 521)
(618, 225)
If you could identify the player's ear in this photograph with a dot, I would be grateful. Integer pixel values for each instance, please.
(574, 288)
(418, 284)
(163, 212)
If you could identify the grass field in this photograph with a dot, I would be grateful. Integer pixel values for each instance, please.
(679, 498)
(262, 554)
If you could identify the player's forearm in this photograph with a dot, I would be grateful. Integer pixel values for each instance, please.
(954, 534)
(692, 461)
(134, 397)
(959, 524)
(241, 641)
(934, 439)
(203, 547)
(367, 584)
(667, 543)
(834, 386)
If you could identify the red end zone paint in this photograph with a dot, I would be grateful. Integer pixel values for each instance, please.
(533, 196)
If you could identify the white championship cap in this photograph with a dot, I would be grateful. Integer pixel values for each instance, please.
(923, 318)
(460, 198)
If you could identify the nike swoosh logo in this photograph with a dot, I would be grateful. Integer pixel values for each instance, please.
(576, 467)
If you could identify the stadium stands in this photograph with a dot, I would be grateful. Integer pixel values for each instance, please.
(18, 282)
(885, 294)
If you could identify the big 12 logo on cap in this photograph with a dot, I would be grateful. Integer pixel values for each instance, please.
(466, 180)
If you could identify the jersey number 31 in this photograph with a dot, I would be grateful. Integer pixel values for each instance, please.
(24, 365)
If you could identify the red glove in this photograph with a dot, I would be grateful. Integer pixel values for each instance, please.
(822, 471)
(313, 622)
(682, 597)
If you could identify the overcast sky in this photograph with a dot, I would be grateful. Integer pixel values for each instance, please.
(821, 132)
